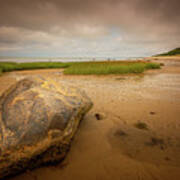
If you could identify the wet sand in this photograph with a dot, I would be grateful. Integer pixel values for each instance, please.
(113, 147)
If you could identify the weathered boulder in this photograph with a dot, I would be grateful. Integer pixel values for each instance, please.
(38, 118)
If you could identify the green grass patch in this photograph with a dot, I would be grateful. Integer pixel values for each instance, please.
(141, 125)
(7, 66)
(10, 66)
(84, 68)
(42, 65)
(152, 66)
(103, 68)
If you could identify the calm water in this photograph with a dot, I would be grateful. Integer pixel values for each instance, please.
(66, 59)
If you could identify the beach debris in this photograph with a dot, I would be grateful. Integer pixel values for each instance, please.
(152, 113)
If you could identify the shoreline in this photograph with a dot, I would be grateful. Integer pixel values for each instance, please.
(170, 58)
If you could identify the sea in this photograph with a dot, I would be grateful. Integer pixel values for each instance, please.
(65, 59)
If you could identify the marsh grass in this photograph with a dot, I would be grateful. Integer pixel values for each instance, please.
(10, 66)
(84, 68)
(7, 66)
(141, 125)
(103, 68)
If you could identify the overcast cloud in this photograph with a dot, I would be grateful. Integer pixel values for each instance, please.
(88, 27)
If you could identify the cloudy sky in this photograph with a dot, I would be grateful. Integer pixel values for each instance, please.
(93, 28)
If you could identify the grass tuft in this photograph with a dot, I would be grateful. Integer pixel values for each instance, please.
(84, 68)
(103, 68)
(10, 66)
(141, 125)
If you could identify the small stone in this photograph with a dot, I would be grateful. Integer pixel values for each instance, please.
(152, 113)
(98, 116)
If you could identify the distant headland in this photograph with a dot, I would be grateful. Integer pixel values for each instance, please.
(174, 52)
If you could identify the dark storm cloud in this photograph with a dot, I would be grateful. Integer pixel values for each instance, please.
(47, 13)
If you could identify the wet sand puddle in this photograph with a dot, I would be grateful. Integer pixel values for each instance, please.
(132, 132)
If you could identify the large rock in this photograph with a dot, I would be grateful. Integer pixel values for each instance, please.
(38, 118)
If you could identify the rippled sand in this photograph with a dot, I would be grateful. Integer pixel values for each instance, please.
(113, 148)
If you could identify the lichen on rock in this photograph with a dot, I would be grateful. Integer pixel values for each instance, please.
(38, 118)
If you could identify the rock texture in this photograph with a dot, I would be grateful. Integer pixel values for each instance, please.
(38, 118)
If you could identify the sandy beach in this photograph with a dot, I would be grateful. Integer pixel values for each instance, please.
(108, 144)
(164, 58)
